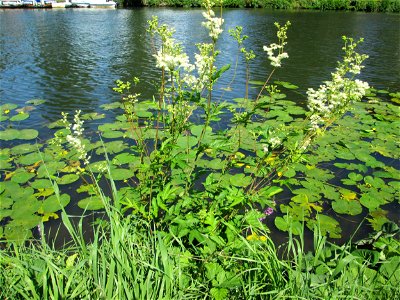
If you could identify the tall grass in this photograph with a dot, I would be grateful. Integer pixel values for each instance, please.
(129, 258)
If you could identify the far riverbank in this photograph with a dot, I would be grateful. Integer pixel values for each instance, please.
(349, 5)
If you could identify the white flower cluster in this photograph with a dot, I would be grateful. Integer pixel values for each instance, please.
(213, 24)
(173, 59)
(275, 50)
(171, 56)
(335, 95)
(275, 60)
(275, 141)
(75, 138)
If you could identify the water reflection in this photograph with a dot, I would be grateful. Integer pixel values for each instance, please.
(72, 57)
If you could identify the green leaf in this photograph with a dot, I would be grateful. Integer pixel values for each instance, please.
(19, 117)
(53, 203)
(92, 203)
(9, 134)
(35, 101)
(23, 149)
(219, 293)
(327, 225)
(287, 223)
(120, 174)
(240, 180)
(28, 134)
(286, 84)
(349, 207)
(67, 179)
(22, 176)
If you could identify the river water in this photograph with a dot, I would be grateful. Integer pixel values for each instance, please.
(72, 57)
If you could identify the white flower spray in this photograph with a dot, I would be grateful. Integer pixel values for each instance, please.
(275, 50)
(335, 96)
(75, 138)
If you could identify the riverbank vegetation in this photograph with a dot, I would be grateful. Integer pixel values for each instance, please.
(188, 185)
(355, 5)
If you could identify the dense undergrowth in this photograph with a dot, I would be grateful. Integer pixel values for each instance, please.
(185, 202)
(356, 5)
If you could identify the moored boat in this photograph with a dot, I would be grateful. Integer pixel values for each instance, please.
(94, 3)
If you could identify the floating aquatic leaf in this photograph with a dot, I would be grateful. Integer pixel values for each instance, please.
(240, 180)
(92, 116)
(35, 101)
(110, 106)
(327, 225)
(30, 158)
(50, 168)
(121, 174)
(22, 176)
(67, 179)
(42, 184)
(377, 218)
(98, 166)
(54, 203)
(371, 200)
(286, 222)
(112, 147)
(17, 233)
(9, 134)
(25, 207)
(125, 158)
(186, 142)
(349, 207)
(5, 213)
(44, 192)
(112, 134)
(28, 134)
(19, 117)
(23, 149)
(91, 203)
(256, 82)
(87, 188)
(375, 182)
(286, 84)
(5, 203)
(8, 106)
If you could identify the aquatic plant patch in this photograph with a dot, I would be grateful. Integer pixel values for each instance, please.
(177, 167)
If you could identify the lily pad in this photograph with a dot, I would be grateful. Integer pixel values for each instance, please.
(124, 158)
(327, 226)
(19, 117)
(121, 174)
(240, 180)
(23, 149)
(8, 106)
(22, 176)
(91, 203)
(286, 223)
(28, 134)
(67, 179)
(349, 207)
(53, 204)
(42, 184)
(112, 147)
(35, 101)
(9, 134)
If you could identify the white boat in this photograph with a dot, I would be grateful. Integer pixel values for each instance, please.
(94, 3)
(11, 3)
